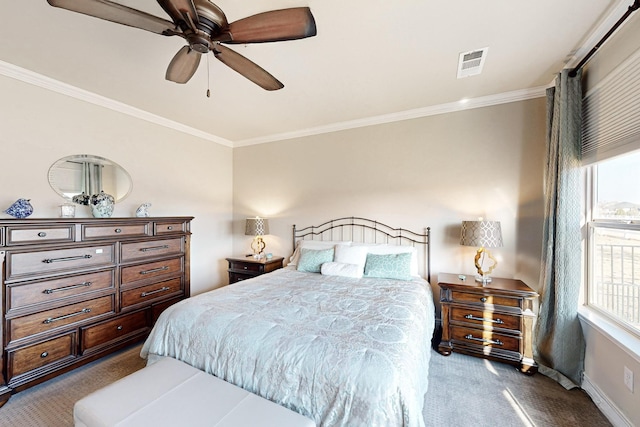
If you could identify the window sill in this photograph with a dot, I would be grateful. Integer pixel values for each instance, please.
(623, 339)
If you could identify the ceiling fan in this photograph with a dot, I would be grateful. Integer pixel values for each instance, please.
(204, 26)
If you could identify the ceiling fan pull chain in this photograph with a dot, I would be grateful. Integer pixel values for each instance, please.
(208, 79)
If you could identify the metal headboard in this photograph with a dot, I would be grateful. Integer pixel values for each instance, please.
(363, 230)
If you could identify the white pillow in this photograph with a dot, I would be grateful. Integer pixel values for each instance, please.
(385, 249)
(341, 269)
(356, 255)
(313, 244)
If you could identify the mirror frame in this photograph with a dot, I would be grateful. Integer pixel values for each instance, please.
(83, 158)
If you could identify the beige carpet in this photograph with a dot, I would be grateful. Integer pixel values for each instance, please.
(463, 391)
(50, 404)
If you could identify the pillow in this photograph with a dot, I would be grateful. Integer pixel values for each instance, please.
(385, 249)
(313, 244)
(389, 266)
(311, 259)
(356, 255)
(341, 269)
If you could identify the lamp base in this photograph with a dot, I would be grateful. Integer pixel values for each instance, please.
(483, 279)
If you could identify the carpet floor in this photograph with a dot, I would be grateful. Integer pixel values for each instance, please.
(463, 391)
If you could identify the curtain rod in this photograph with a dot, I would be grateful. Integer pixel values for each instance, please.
(635, 6)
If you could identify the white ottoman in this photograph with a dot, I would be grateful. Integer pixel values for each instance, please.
(172, 393)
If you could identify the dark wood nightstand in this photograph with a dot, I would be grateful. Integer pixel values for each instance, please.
(242, 268)
(493, 321)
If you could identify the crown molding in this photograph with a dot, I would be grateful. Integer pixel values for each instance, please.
(33, 78)
(451, 107)
(30, 77)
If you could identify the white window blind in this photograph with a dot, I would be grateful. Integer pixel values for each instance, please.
(611, 113)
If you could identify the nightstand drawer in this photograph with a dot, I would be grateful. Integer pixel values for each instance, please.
(469, 297)
(484, 338)
(484, 318)
(245, 266)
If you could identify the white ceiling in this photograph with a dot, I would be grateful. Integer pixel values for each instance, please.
(372, 61)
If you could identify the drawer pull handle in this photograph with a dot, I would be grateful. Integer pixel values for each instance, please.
(484, 319)
(169, 228)
(162, 289)
(119, 328)
(484, 340)
(155, 270)
(44, 354)
(483, 299)
(66, 288)
(118, 230)
(42, 234)
(154, 248)
(69, 258)
(66, 316)
(245, 267)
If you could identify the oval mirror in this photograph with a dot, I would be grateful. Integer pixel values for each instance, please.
(88, 174)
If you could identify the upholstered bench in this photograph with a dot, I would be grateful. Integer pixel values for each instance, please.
(172, 393)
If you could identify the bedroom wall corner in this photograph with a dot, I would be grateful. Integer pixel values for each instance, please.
(178, 173)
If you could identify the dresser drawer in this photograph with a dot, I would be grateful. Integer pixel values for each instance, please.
(484, 339)
(485, 318)
(41, 263)
(30, 294)
(155, 291)
(463, 297)
(150, 270)
(41, 355)
(33, 324)
(170, 227)
(22, 235)
(150, 249)
(104, 333)
(115, 230)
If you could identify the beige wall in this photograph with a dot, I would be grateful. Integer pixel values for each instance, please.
(179, 174)
(434, 171)
(605, 358)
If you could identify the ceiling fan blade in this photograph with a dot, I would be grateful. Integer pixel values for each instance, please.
(183, 65)
(117, 13)
(273, 26)
(247, 68)
(181, 10)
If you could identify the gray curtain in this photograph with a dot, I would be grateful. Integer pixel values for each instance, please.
(560, 344)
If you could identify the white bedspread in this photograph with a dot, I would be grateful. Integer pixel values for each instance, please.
(341, 351)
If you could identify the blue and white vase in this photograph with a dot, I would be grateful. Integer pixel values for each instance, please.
(102, 205)
(21, 208)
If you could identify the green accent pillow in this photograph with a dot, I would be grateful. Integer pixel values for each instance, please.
(388, 266)
(311, 260)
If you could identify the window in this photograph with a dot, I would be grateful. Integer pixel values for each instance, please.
(613, 260)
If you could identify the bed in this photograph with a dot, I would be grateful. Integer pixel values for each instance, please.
(341, 349)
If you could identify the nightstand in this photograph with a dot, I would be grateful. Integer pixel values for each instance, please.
(247, 267)
(493, 320)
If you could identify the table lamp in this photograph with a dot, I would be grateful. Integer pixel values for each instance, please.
(482, 234)
(257, 227)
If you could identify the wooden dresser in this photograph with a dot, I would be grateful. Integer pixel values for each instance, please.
(76, 289)
(494, 320)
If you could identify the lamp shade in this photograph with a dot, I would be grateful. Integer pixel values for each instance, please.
(485, 234)
(257, 226)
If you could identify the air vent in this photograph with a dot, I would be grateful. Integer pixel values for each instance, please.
(471, 63)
